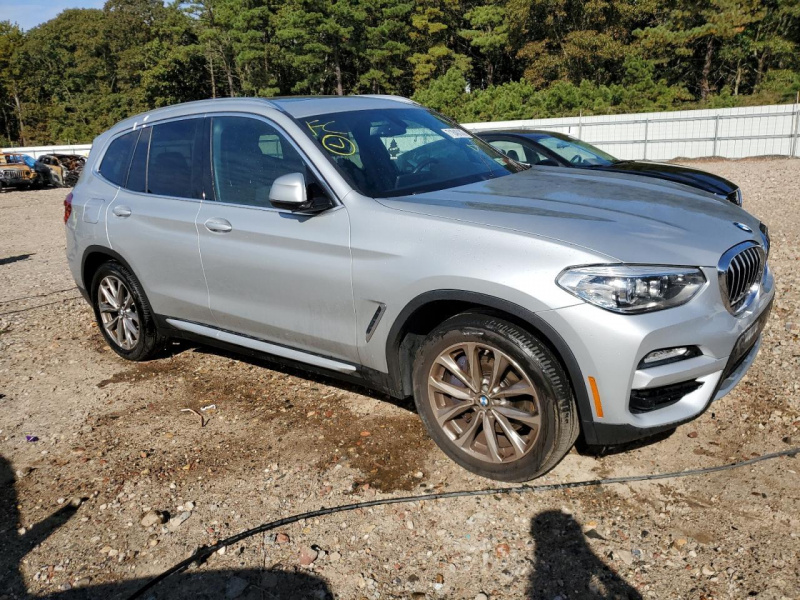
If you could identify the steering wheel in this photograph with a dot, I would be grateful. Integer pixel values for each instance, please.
(424, 163)
(576, 160)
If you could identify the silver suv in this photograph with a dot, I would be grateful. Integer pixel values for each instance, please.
(371, 238)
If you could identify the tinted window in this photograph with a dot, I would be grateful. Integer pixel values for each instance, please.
(138, 172)
(118, 156)
(247, 156)
(404, 151)
(173, 166)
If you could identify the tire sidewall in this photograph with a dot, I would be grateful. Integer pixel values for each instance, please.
(147, 333)
(493, 332)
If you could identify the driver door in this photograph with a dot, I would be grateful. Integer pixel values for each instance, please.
(272, 274)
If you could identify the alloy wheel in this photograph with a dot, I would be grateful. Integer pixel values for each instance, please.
(485, 403)
(118, 312)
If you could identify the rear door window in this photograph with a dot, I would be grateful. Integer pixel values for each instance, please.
(174, 165)
(114, 166)
(137, 176)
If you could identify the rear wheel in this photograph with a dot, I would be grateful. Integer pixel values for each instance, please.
(494, 398)
(123, 313)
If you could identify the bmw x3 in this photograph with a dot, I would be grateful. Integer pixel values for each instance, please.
(375, 240)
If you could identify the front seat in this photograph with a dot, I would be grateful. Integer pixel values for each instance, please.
(512, 154)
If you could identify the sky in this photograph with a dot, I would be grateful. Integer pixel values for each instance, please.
(30, 13)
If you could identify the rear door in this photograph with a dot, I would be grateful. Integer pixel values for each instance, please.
(151, 222)
(272, 274)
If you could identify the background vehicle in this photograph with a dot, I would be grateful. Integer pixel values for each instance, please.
(547, 148)
(14, 172)
(373, 239)
(53, 172)
(73, 166)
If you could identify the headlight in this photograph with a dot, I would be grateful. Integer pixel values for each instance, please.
(633, 289)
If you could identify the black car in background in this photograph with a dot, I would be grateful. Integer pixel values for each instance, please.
(547, 148)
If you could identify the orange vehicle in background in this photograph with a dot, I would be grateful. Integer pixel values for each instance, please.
(15, 173)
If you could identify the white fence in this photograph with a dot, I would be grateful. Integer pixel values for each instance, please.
(725, 132)
(37, 151)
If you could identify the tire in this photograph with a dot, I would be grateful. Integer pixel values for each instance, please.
(148, 342)
(533, 431)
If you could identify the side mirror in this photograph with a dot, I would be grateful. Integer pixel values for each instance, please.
(289, 191)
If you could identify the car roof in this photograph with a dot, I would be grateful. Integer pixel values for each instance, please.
(528, 133)
(295, 106)
(304, 106)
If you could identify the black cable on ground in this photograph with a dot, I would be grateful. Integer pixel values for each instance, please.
(22, 310)
(19, 299)
(202, 553)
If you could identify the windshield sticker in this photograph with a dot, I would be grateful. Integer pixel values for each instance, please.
(338, 144)
(456, 133)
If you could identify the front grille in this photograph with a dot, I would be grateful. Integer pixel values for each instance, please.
(740, 270)
(10, 174)
(649, 399)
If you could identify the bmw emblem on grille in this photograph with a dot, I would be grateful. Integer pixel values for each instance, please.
(743, 227)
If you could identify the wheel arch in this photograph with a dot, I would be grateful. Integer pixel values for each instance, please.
(93, 258)
(425, 312)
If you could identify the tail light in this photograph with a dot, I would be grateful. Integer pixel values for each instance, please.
(67, 207)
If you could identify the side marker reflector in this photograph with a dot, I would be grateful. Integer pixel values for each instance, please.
(598, 406)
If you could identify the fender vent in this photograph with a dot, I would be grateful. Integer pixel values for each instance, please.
(376, 318)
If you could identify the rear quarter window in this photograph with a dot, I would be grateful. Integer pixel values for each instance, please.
(114, 166)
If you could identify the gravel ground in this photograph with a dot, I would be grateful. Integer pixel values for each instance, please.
(279, 443)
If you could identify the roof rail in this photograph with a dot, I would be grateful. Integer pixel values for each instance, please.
(391, 97)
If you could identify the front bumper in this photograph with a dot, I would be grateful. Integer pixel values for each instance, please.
(609, 346)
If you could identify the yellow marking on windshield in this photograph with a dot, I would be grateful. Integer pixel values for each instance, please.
(338, 144)
(315, 126)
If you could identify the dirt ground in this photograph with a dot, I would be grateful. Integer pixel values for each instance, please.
(279, 443)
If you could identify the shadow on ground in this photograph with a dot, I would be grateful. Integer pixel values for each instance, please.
(245, 584)
(12, 259)
(300, 371)
(565, 566)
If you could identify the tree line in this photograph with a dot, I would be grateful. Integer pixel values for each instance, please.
(77, 74)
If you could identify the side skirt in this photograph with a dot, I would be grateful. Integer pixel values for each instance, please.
(265, 347)
(274, 353)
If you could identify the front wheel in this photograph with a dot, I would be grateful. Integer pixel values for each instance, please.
(123, 313)
(494, 398)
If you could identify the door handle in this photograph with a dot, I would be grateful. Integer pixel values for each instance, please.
(122, 211)
(216, 225)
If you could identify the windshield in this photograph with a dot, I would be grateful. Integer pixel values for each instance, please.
(576, 151)
(403, 151)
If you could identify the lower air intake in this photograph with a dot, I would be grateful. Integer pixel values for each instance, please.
(650, 399)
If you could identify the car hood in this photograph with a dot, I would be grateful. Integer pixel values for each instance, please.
(627, 218)
(678, 173)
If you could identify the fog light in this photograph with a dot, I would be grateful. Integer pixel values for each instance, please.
(668, 355)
